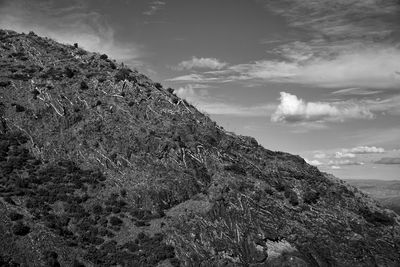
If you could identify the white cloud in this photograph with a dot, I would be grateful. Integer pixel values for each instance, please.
(363, 150)
(341, 155)
(314, 162)
(73, 24)
(198, 78)
(345, 162)
(294, 110)
(320, 156)
(356, 91)
(154, 7)
(368, 67)
(198, 96)
(352, 44)
(201, 63)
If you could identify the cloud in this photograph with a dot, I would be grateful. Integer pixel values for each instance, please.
(72, 24)
(340, 18)
(154, 7)
(320, 156)
(198, 96)
(314, 162)
(353, 46)
(198, 78)
(294, 110)
(356, 92)
(373, 67)
(345, 162)
(352, 43)
(364, 150)
(201, 63)
(388, 161)
(341, 155)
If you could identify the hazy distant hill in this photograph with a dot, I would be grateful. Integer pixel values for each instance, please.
(386, 192)
(100, 166)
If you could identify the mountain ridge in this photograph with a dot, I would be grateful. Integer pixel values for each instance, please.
(107, 168)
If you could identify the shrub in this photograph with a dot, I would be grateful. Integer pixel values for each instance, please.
(69, 72)
(76, 45)
(311, 197)
(292, 196)
(78, 264)
(158, 86)
(376, 217)
(20, 229)
(19, 108)
(123, 192)
(5, 83)
(235, 168)
(15, 216)
(104, 57)
(84, 85)
(50, 259)
(115, 221)
(170, 90)
(97, 209)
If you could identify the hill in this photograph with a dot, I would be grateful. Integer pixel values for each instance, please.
(100, 166)
(386, 192)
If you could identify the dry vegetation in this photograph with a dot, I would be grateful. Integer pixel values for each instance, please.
(101, 166)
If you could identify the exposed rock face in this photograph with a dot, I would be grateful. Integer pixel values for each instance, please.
(104, 167)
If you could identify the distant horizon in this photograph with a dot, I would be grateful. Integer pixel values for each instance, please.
(319, 79)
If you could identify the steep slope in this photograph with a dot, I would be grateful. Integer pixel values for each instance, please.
(100, 166)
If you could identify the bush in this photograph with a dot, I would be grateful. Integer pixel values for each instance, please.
(5, 83)
(292, 196)
(50, 259)
(19, 108)
(97, 209)
(235, 168)
(69, 72)
(311, 197)
(84, 85)
(376, 217)
(20, 229)
(115, 221)
(104, 57)
(15, 216)
(158, 86)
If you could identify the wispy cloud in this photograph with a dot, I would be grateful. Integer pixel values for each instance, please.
(154, 7)
(294, 110)
(198, 78)
(364, 150)
(198, 96)
(72, 24)
(342, 19)
(201, 63)
(356, 92)
(314, 162)
(341, 155)
(352, 44)
(388, 161)
(345, 162)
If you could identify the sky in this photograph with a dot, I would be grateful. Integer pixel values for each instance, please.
(315, 78)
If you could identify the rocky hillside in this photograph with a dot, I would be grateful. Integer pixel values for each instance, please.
(100, 166)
